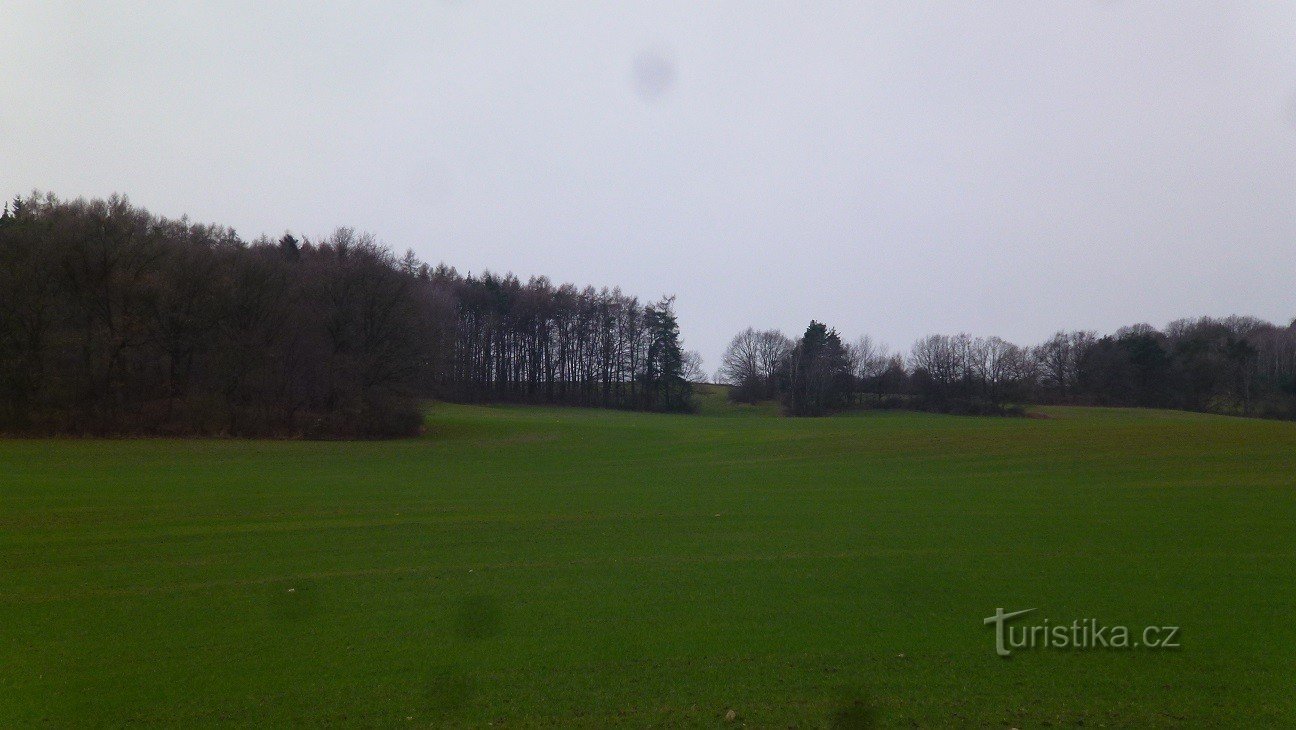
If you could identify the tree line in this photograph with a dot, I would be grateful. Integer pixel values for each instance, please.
(535, 342)
(116, 321)
(1234, 365)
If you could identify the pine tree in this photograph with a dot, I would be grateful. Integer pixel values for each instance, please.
(666, 358)
(818, 372)
(290, 246)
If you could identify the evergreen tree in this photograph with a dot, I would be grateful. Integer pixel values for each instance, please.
(290, 246)
(667, 386)
(818, 372)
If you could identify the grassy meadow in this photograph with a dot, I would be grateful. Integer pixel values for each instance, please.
(546, 566)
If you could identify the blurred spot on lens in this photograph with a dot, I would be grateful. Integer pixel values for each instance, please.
(653, 75)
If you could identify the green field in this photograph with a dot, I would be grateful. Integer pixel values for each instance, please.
(529, 566)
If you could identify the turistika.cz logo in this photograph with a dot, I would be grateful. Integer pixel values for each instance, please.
(1085, 633)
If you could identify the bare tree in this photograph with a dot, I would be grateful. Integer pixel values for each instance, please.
(868, 358)
(740, 362)
(999, 366)
(772, 350)
(1059, 360)
(752, 361)
(691, 367)
(942, 358)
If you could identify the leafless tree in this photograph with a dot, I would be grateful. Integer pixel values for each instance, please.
(999, 367)
(868, 358)
(692, 367)
(740, 362)
(1058, 359)
(943, 358)
(752, 361)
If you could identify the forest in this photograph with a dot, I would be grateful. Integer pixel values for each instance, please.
(114, 321)
(1234, 365)
(117, 321)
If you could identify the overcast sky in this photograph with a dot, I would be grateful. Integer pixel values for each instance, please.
(891, 168)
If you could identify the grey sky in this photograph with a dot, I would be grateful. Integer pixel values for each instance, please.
(890, 168)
